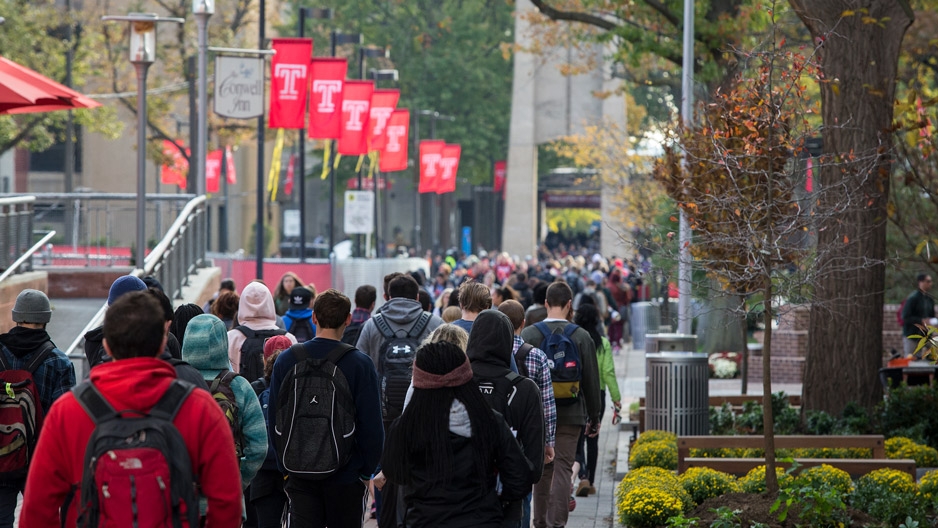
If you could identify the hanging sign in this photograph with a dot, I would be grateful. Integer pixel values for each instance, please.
(239, 87)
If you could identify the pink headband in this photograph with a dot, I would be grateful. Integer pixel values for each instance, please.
(454, 378)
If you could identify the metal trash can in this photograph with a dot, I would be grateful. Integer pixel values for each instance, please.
(676, 385)
(645, 320)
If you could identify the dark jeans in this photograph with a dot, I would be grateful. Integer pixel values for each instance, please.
(269, 510)
(316, 504)
(591, 459)
(9, 492)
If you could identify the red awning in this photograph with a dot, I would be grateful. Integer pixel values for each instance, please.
(24, 91)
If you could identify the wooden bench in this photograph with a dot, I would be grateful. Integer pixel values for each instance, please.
(741, 466)
(735, 401)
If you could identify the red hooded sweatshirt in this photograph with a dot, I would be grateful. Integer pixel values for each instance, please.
(131, 384)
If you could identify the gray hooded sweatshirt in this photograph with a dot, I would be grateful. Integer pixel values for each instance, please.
(401, 314)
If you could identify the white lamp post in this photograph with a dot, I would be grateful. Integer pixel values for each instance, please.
(203, 10)
(142, 55)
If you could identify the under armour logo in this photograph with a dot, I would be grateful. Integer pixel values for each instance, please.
(291, 74)
(400, 349)
(355, 110)
(394, 134)
(314, 400)
(327, 88)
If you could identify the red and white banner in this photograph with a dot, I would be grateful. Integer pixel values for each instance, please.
(368, 184)
(383, 103)
(231, 173)
(394, 156)
(289, 82)
(213, 171)
(431, 154)
(356, 101)
(325, 103)
(288, 181)
(174, 173)
(449, 164)
(501, 171)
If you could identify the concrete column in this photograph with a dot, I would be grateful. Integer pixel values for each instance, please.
(519, 227)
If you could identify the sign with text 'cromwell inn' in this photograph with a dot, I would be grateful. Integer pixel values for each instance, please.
(239, 87)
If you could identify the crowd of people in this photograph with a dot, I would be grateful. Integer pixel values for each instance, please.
(470, 397)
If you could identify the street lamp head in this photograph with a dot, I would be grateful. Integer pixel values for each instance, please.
(383, 75)
(142, 34)
(203, 7)
(346, 38)
(322, 13)
(372, 51)
(2, 20)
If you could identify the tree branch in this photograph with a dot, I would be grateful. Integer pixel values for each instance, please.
(573, 16)
(23, 134)
(665, 12)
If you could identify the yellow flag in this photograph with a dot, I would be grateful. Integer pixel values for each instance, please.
(372, 164)
(326, 153)
(273, 177)
(358, 166)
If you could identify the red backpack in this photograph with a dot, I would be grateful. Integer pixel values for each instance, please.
(137, 468)
(21, 413)
(899, 313)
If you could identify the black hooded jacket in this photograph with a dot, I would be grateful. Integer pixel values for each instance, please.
(489, 351)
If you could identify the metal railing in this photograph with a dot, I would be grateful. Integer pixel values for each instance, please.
(16, 228)
(179, 254)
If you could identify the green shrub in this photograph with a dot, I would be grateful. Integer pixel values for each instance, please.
(822, 476)
(647, 507)
(928, 487)
(888, 495)
(754, 481)
(722, 420)
(833, 452)
(661, 454)
(894, 444)
(656, 435)
(902, 411)
(702, 483)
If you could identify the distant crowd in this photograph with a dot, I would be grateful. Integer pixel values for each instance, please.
(470, 397)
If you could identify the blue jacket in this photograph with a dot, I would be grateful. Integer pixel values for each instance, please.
(298, 315)
(362, 378)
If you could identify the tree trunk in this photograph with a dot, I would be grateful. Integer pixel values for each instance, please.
(858, 55)
(768, 417)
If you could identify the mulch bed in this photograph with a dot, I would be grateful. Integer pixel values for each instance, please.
(755, 508)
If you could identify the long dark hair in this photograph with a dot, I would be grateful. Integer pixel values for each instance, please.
(181, 319)
(421, 435)
(587, 316)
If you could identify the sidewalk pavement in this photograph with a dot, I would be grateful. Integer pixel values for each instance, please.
(598, 511)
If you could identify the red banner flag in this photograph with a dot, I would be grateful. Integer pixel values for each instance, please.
(449, 164)
(431, 153)
(356, 101)
(231, 173)
(213, 171)
(289, 82)
(501, 170)
(175, 173)
(325, 104)
(383, 103)
(288, 181)
(394, 156)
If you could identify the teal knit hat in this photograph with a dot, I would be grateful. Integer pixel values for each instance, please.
(205, 345)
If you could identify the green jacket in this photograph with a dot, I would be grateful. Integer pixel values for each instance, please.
(607, 372)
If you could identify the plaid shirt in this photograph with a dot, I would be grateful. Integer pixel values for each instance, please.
(536, 365)
(55, 376)
(360, 315)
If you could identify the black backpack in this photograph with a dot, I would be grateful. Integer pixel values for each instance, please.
(302, 330)
(351, 333)
(396, 362)
(315, 422)
(252, 351)
(500, 391)
(137, 467)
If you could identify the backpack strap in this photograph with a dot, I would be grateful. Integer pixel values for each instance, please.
(420, 325)
(382, 324)
(569, 330)
(38, 358)
(543, 328)
(299, 352)
(338, 352)
(521, 357)
(93, 403)
(248, 333)
(4, 362)
(171, 401)
(225, 376)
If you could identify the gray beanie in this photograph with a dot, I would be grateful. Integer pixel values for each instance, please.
(32, 306)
